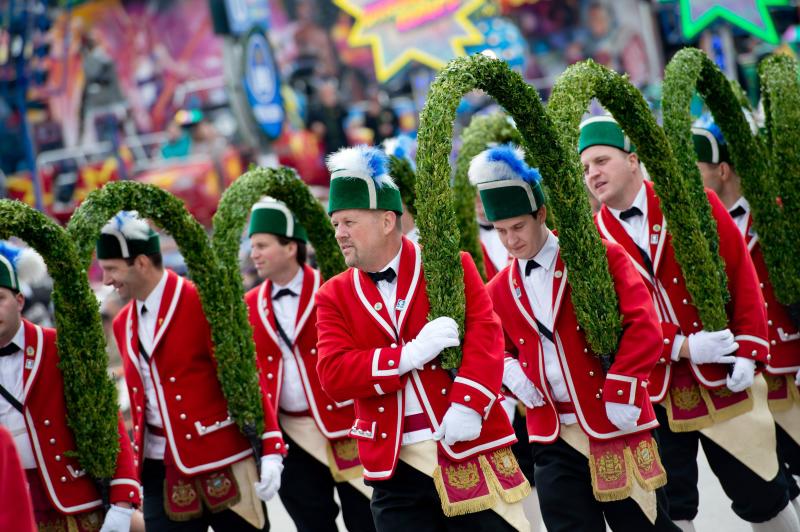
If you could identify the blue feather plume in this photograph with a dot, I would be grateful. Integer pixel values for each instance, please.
(510, 155)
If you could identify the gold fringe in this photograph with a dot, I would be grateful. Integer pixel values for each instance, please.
(650, 484)
(729, 412)
(342, 475)
(72, 524)
(685, 425)
(485, 502)
(183, 516)
(793, 390)
(617, 494)
(510, 495)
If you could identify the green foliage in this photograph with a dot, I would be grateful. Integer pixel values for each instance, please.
(404, 176)
(777, 228)
(236, 369)
(593, 292)
(89, 392)
(571, 96)
(475, 138)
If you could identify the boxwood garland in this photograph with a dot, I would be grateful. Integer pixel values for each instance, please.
(570, 99)
(89, 392)
(593, 292)
(404, 176)
(236, 370)
(779, 228)
(475, 138)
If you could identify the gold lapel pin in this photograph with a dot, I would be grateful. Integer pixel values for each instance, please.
(378, 306)
(657, 228)
(558, 274)
(29, 351)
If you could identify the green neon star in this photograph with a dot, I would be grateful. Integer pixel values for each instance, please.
(749, 15)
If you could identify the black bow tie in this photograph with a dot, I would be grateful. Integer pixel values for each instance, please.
(485, 226)
(387, 275)
(629, 213)
(532, 265)
(9, 350)
(737, 211)
(282, 292)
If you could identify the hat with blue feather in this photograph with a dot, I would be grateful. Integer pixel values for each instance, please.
(507, 185)
(272, 216)
(19, 264)
(360, 180)
(127, 236)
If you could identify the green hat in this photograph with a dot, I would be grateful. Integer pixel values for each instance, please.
(507, 185)
(19, 264)
(272, 216)
(708, 148)
(359, 181)
(603, 131)
(126, 236)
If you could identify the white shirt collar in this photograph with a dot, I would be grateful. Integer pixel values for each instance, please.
(295, 285)
(394, 264)
(639, 201)
(19, 337)
(743, 203)
(546, 258)
(153, 301)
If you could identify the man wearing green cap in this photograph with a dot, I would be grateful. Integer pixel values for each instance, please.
(376, 346)
(321, 457)
(34, 410)
(703, 379)
(193, 460)
(782, 370)
(575, 410)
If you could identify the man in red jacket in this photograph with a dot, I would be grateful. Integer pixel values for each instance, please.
(782, 370)
(194, 461)
(377, 346)
(322, 456)
(33, 409)
(704, 381)
(573, 405)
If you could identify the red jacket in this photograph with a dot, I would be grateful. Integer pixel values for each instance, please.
(16, 512)
(359, 352)
(333, 419)
(589, 390)
(70, 490)
(746, 316)
(201, 435)
(488, 265)
(784, 338)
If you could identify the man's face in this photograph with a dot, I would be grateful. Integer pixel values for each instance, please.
(10, 314)
(124, 278)
(360, 233)
(269, 255)
(522, 235)
(711, 175)
(610, 174)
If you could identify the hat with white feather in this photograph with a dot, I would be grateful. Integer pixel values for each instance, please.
(272, 216)
(19, 265)
(126, 236)
(359, 180)
(507, 185)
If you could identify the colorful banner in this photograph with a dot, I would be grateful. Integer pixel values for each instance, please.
(750, 15)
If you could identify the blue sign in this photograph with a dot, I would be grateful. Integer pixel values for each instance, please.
(246, 14)
(262, 84)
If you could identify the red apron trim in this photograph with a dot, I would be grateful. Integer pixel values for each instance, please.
(614, 464)
(415, 422)
(343, 459)
(49, 518)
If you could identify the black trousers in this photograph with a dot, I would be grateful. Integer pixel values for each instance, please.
(789, 456)
(564, 486)
(522, 449)
(754, 499)
(307, 494)
(156, 519)
(408, 502)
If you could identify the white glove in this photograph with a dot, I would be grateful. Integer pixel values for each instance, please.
(741, 378)
(797, 378)
(623, 416)
(712, 347)
(460, 423)
(271, 469)
(520, 385)
(432, 339)
(118, 519)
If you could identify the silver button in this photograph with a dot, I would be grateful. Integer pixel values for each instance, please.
(46, 422)
(754, 353)
(313, 350)
(467, 398)
(269, 358)
(172, 379)
(178, 397)
(522, 341)
(183, 417)
(578, 328)
(769, 322)
(136, 428)
(591, 373)
(619, 392)
(278, 445)
(270, 376)
(58, 458)
(433, 366)
(585, 350)
(666, 341)
(269, 395)
(391, 363)
(329, 408)
(597, 396)
(695, 324)
(769, 357)
(773, 342)
(188, 436)
(63, 479)
(138, 408)
(444, 391)
(662, 360)
(524, 364)
(381, 409)
(52, 441)
(674, 280)
(135, 389)
(393, 345)
(130, 495)
(685, 301)
(384, 435)
(761, 285)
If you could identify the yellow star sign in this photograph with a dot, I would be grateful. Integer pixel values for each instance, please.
(431, 32)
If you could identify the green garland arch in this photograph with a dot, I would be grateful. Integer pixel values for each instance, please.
(236, 370)
(476, 137)
(404, 176)
(569, 100)
(779, 231)
(593, 292)
(89, 392)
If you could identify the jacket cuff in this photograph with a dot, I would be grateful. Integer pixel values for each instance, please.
(752, 348)
(385, 369)
(125, 490)
(272, 443)
(472, 394)
(622, 389)
(670, 331)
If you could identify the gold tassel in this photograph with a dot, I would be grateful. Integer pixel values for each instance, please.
(450, 509)
(510, 495)
(72, 524)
